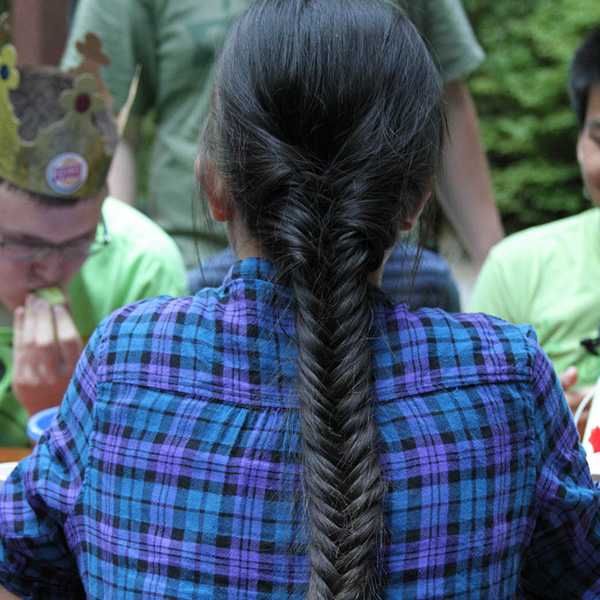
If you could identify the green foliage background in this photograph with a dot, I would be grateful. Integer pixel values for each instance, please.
(520, 91)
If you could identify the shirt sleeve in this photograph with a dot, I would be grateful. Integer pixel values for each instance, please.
(562, 559)
(150, 277)
(140, 262)
(448, 32)
(496, 290)
(125, 30)
(38, 502)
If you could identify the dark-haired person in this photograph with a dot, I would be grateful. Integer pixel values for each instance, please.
(546, 276)
(293, 434)
(176, 42)
(59, 230)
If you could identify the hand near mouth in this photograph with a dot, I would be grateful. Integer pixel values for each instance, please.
(46, 348)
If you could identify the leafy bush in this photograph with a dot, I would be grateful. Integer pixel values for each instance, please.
(520, 91)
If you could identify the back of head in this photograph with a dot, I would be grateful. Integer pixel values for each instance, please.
(584, 73)
(339, 99)
(326, 127)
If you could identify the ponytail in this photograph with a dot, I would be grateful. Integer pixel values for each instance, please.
(342, 471)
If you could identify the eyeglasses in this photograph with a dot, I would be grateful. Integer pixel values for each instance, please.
(33, 251)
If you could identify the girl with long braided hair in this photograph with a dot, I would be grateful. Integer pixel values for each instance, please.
(326, 146)
(293, 433)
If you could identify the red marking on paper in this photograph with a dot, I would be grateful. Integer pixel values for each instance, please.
(595, 439)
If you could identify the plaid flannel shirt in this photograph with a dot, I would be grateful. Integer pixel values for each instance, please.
(172, 469)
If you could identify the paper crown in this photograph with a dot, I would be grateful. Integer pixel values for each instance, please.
(71, 157)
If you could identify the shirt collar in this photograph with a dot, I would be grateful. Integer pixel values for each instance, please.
(251, 268)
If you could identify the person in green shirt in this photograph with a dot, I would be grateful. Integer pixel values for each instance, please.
(59, 231)
(548, 275)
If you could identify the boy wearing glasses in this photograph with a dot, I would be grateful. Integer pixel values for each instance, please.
(548, 275)
(59, 230)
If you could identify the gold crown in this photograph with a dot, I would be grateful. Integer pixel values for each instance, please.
(71, 157)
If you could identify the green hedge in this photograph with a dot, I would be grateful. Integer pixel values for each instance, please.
(528, 127)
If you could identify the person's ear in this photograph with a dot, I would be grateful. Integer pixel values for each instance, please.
(219, 198)
(411, 221)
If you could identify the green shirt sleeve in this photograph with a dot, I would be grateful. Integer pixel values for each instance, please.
(493, 293)
(445, 27)
(141, 261)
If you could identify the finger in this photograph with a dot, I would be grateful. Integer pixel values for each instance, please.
(68, 338)
(22, 360)
(44, 326)
(44, 347)
(27, 366)
(19, 322)
(568, 378)
(28, 338)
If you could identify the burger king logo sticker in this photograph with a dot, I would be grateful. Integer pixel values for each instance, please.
(67, 173)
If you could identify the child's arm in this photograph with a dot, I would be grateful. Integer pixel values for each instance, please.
(39, 496)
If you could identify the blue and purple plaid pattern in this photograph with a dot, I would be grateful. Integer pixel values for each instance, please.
(172, 470)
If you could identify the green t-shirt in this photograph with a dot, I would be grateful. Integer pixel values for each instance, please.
(548, 276)
(176, 43)
(141, 261)
(446, 29)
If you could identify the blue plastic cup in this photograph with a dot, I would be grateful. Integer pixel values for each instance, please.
(38, 423)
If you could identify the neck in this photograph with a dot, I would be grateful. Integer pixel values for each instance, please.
(243, 243)
(245, 246)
